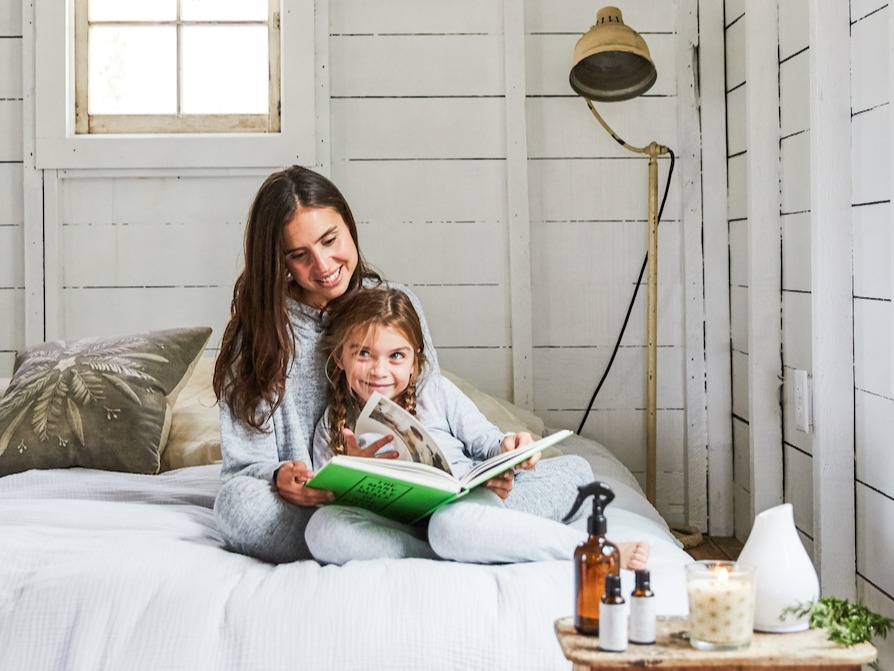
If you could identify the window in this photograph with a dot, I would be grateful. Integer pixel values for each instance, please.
(162, 84)
(169, 66)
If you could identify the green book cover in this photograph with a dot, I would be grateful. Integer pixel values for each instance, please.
(408, 491)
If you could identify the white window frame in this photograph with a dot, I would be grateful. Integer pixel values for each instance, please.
(57, 146)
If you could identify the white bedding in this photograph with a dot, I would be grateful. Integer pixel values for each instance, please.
(118, 571)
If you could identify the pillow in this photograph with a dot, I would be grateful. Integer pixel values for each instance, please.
(195, 426)
(96, 403)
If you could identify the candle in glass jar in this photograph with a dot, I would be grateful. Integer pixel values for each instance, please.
(721, 605)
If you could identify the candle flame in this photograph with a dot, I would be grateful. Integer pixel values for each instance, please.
(721, 573)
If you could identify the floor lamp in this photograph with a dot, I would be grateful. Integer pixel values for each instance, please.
(611, 64)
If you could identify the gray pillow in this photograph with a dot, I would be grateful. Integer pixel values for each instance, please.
(97, 403)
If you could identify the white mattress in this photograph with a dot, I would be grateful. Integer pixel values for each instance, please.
(104, 570)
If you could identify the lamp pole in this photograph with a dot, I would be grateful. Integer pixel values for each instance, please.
(653, 150)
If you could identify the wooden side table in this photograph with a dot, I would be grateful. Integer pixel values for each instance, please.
(800, 651)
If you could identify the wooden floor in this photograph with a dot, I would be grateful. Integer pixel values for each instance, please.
(716, 548)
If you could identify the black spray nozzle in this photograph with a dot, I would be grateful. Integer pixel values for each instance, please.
(602, 495)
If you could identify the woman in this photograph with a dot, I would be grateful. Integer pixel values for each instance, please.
(301, 256)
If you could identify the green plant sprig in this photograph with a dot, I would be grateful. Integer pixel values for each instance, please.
(846, 623)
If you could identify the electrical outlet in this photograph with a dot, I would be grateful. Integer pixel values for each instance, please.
(803, 418)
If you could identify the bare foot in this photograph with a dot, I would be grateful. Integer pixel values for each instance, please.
(634, 556)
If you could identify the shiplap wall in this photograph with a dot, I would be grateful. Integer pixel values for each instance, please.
(434, 138)
(12, 275)
(872, 27)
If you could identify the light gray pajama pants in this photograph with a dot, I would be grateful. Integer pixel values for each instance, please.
(479, 528)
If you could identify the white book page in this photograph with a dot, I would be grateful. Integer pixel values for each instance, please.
(383, 416)
(506, 460)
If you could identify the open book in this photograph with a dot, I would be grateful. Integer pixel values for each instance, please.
(419, 482)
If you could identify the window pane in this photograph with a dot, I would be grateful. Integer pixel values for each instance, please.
(224, 10)
(225, 70)
(132, 10)
(132, 70)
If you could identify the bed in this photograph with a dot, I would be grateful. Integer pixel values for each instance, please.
(103, 569)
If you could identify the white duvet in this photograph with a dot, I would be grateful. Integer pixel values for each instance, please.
(117, 571)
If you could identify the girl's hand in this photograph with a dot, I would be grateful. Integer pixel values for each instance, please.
(290, 483)
(501, 484)
(517, 440)
(354, 449)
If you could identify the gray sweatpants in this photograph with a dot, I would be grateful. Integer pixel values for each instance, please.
(479, 528)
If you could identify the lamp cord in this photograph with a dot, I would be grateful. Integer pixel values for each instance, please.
(639, 280)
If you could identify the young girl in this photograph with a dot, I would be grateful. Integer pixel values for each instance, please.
(375, 343)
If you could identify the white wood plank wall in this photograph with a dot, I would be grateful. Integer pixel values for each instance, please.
(872, 54)
(794, 103)
(12, 241)
(412, 124)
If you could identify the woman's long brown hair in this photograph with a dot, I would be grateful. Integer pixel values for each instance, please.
(258, 343)
(362, 314)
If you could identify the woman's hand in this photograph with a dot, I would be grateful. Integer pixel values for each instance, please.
(290, 483)
(354, 450)
(501, 485)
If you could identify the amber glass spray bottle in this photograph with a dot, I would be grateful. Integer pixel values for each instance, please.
(594, 559)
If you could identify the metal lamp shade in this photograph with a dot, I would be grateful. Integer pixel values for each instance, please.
(611, 61)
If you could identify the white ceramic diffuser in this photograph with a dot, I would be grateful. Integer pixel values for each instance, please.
(784, 574)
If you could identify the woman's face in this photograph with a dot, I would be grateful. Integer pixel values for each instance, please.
(320, 254)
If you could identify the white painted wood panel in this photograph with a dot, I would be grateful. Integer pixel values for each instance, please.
(152, 255)
(488, 368)
(792, 27)
(412, 128)
(601, 261)
(871, 168)
(799, 487)
(416, 65)
(741, 462)
(484, 320)
(738, 186)
(870, 74)
(795, 166)
(621, 388)
(791, 435)
(12, 333)
(740, 384)
(11, 137)
(738, 248)
(107, 312)
(400, 251)
(874, 428)
(565, 127)
(796, 252)
(11, 19)
(735, 54)
(863, 8)
(744, 512)
(738, 300)
(601, 189)
(11, 196)
(12, 266)
(873, 242)
(623, 432)
(872, 346)
(736, 115)
(448, 192)
(794, 95)
(551, 57)
(881, 603)
(796, 329)
(875, 511)
(574, 16)
(390, 17)
(10, 68)
(734, 9)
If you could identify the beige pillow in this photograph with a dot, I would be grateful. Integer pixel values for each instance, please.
(195, 426)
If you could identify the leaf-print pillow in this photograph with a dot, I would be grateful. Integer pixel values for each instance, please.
(97, 403)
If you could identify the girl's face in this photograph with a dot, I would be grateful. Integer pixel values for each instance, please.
(382, 361)
(320, 254)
